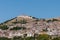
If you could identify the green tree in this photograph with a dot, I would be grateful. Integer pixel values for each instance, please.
(18, 28)
(49, 21)
(4, 27)
(55, 19)
(4, 38)
(17, 38)
(43, 37)
(29, 38)
(57, 38)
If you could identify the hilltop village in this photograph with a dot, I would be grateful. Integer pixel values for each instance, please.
(29, 26)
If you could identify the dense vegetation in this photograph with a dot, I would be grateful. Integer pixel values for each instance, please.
(18, 28)
(40, 37)
(4, 38)
(4, 27)
(52, 20)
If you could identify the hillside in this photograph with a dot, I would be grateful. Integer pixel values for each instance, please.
(29, 25)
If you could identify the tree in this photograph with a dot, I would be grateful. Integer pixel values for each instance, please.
(55, 19)
(35, 36)
(57, 38)
(49, 21)
(4, 38)
(17, 38)
(24, 36)
(29, 38)
(43, 37)
(18, 28)
(4, 27)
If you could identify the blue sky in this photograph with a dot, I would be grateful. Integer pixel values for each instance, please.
(37, 8)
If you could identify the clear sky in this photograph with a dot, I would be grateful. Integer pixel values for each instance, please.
(37, 8)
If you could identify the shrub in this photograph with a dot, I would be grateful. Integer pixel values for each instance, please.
(17, 28)
(43, 37)
(4, 38)
(4, 27)
(49, 21)
(57, 38)
(55, 20)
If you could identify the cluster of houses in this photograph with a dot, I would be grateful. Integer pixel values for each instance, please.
(32, 27)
